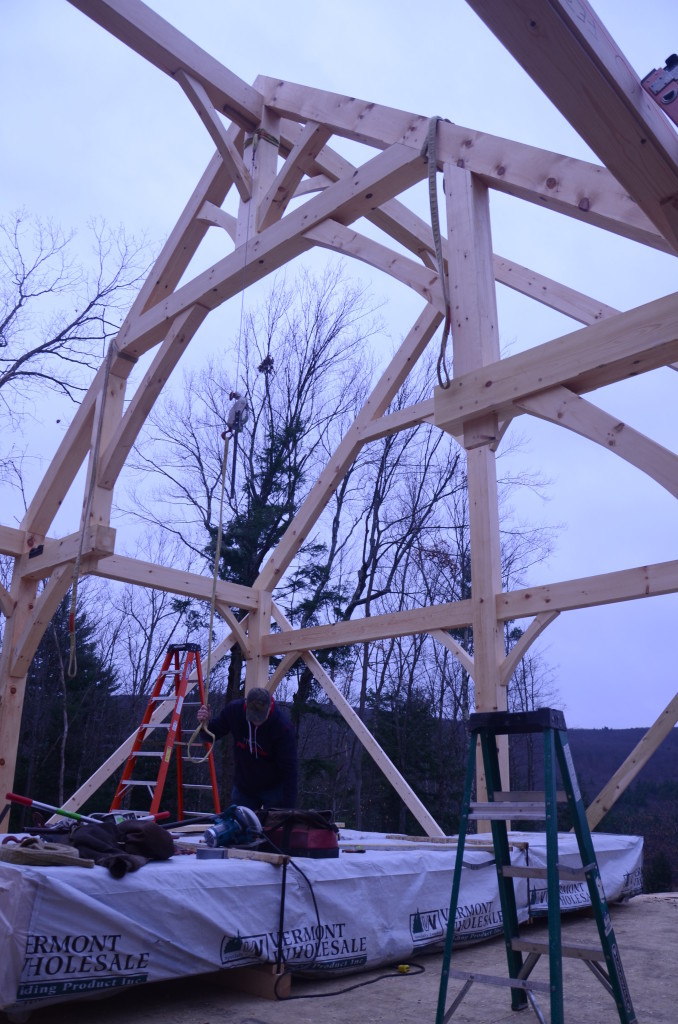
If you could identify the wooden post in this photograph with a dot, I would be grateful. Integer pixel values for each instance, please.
(475, 343)
(258, 626)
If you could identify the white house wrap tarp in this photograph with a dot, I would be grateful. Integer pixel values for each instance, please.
(75, 932)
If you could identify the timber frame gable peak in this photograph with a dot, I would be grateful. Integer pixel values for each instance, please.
(295, 192)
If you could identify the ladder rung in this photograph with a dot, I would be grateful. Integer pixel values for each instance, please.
(525, 811)
(155, 725)
(139, 782)
(564, 872)
(494, 979)
(529, 796)
(194, 785)
(147, 753)
(579, 952)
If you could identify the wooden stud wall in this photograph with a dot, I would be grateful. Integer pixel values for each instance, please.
(278, 148)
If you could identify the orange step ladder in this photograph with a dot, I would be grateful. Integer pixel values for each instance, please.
(180, 670)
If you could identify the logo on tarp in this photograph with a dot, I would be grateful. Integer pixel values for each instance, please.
(427, 926)
(75, 964)
(322, 947)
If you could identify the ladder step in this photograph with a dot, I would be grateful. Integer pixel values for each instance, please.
(529, 796)
(504, 811)
(564, 872)
(147, 753)
(139, 782)
(194, 785)
(502, 981)
(577, 952)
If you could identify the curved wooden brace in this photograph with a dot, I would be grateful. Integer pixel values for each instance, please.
(561, 406)
(7, 602)
(460, 654)
(43, 610)
(518, 651)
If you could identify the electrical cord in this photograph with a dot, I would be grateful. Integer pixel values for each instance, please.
(413, 968)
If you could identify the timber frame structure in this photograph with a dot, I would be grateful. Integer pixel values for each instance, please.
(569, 54)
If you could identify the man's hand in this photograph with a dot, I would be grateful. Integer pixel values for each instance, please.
(204, 713)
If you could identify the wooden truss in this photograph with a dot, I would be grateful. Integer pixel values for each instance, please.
(634, 194)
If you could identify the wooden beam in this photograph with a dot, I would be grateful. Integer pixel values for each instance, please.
(218, 133)
(376, 627)
(519, 649)
(581, 190)
(214, 215)
(7, 602)
(155, 378)
(348, 242)
(98, 541)
(376, 181)
(41, 614)
(551, 293)
(258, 628)
(636, 760)
(12, 541)
(588, 591)
(174, 581)
(462, 656)
(560, 406)
(565, 48)
(161, 44)
(237, 630)
(312, 139)
(404, 791)
(403, 419)
(622, 346)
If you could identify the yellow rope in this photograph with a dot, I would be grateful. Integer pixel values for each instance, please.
(215, 575)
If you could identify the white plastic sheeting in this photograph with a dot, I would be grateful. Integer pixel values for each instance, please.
(71, 932)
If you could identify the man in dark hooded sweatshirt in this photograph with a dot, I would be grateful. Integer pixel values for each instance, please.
(264, 748)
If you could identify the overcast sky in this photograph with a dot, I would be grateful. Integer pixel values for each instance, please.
(89, 129)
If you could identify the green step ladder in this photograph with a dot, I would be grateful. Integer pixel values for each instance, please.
(502, 807)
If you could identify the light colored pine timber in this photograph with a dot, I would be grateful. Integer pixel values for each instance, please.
(622, 346)
(312, 139)
(584, 191)
(168, 49)
(106, 419)
(520, 648)
(237, 630)
(375, 627)
(12, 541)
(550, 293)
(155, 378)
(347, 241)
(379, 179)
(174, 581)
(218, 133)
(462, 656)
(406, 794)
(410, 416)
(561, 406)
(258, 628)
(44, 606)
(168, 269)
(12, 688)
(589, 591)
(475, 340)
(628, 771)
(7, 602)
(214, 215)
(281, 670)
(567, 51)
(98, 542)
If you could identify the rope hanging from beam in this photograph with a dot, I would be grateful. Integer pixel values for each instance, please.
(429, 151)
